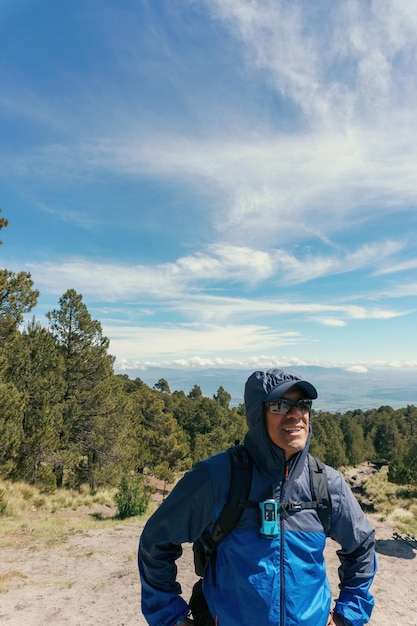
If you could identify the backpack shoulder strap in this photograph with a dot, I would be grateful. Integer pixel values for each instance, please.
(239, 489)
(240, 484)
(320, 491)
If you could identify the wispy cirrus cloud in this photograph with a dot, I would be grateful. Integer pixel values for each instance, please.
(210, 308)
(188, 339)
(259, 191)
(283, 187)
(217, 263)
(145, 291)
(70, 216)
(292, 176)
(404, 266)
(348, 69)
(354, 148)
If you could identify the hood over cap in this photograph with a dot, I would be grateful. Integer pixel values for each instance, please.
(266, 386)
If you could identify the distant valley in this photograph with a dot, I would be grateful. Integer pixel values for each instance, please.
(339, 389)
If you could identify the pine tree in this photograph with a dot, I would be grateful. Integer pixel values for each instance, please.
(162, 385)
(166, 441)
(88, 386)
(3, 223)
(11, 432)
(36, 367)
(354, 440)
(17, 297)
(222, 397)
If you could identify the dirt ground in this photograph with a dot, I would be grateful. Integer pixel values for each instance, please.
(92, 580)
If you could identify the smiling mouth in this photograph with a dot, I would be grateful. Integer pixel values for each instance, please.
(296, 429)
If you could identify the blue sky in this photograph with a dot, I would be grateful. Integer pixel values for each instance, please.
(226, 182)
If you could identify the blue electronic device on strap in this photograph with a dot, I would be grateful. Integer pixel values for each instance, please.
(269, 514)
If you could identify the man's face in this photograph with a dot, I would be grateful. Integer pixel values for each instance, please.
(290, 431)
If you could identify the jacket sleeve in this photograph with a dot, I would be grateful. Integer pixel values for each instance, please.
(351, 529)
(181, 518)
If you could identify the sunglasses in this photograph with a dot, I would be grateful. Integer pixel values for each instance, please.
(285, 406)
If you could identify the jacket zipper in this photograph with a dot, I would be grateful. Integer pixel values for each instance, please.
(281, 556)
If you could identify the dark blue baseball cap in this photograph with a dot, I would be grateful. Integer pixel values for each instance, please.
(269, 385)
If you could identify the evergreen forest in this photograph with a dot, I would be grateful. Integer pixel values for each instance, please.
(67, 419)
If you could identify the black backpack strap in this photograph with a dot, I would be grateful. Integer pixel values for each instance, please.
(237, 500)
(240, 484)
(320, 493)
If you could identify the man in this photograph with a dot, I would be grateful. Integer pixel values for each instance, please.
(277, 580)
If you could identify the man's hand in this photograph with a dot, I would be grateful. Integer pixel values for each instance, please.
(335, 620)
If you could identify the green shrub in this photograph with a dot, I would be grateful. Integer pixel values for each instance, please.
(132, 498)
(403, 468)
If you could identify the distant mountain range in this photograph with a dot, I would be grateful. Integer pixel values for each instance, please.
(338, 389)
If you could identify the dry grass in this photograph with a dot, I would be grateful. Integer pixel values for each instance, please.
(20, 497)
(29, 518)
(397, 503)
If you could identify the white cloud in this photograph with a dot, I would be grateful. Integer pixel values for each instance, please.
(396, 290)
(107, 281)
(360, 151)
(187, 340)
(359, 369)
(330, 321)
(278, 187)
(275, 189)
(281, 188)
(222, 262)
(332, 73)
(182, 287)
(330, 144)
(208, 308)
(313, 266)
(397, 267)
(264, 361)
(216, 263)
